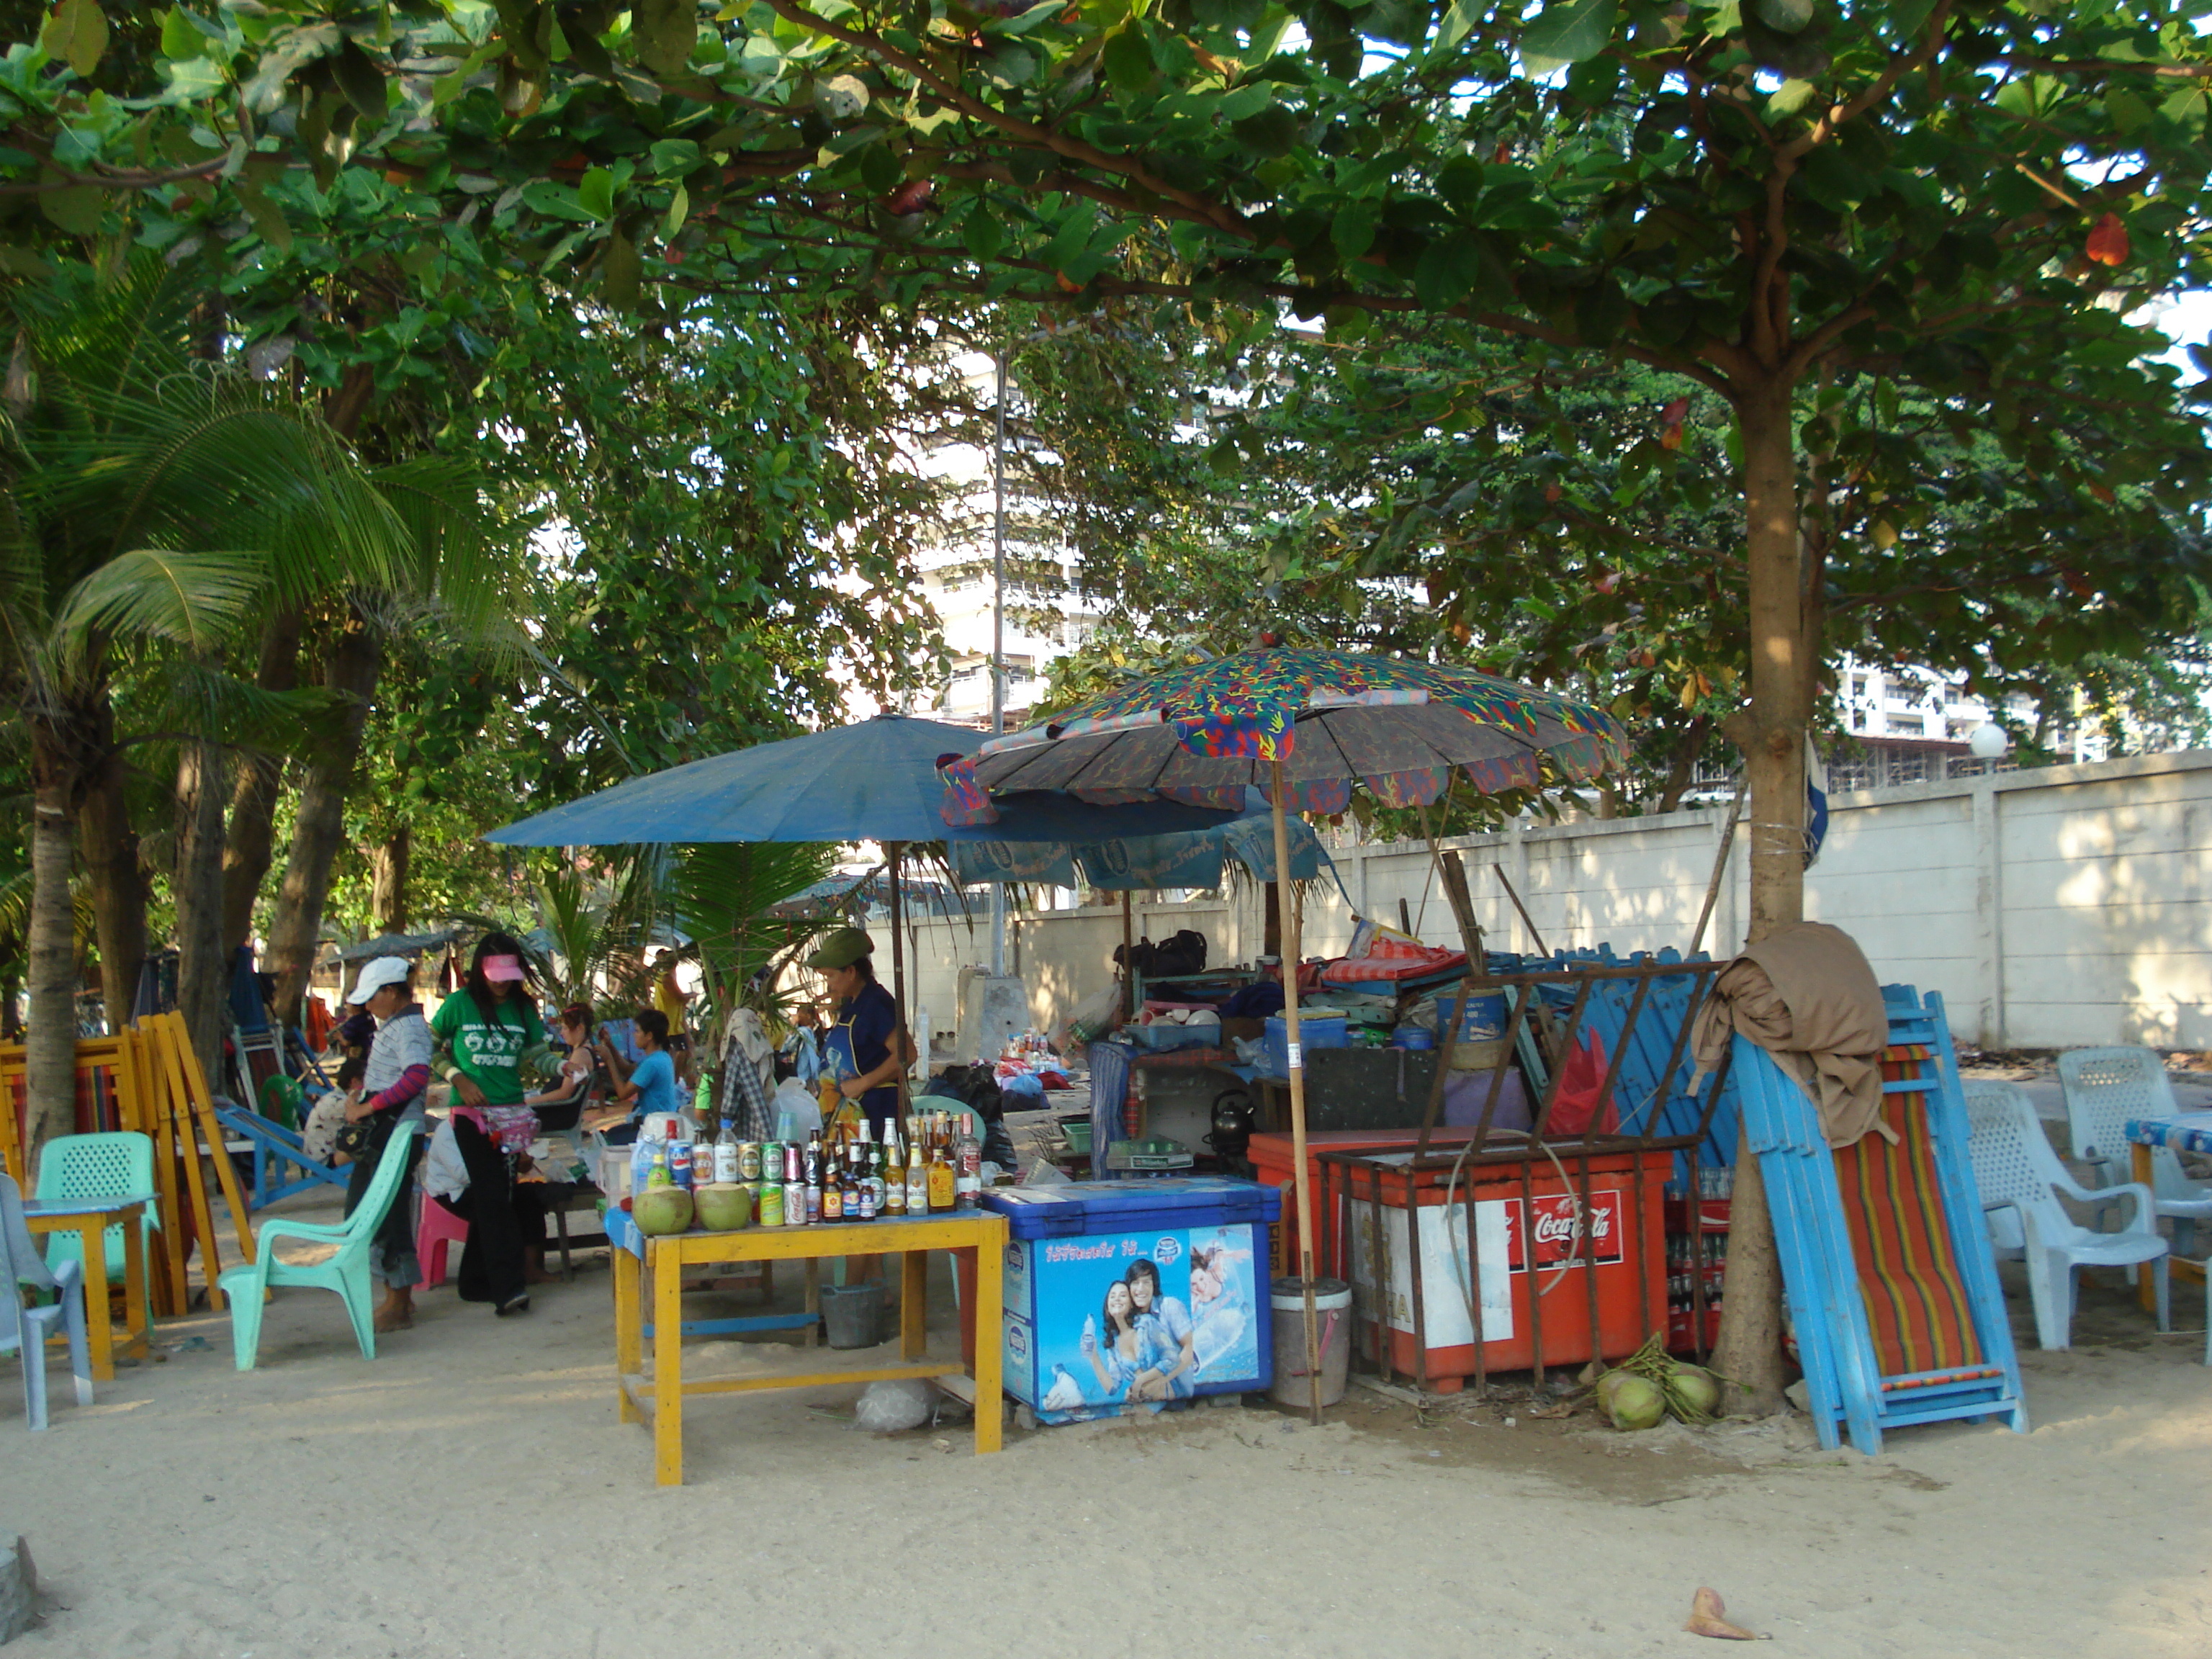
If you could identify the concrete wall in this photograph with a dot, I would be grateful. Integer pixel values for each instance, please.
(2055, 908)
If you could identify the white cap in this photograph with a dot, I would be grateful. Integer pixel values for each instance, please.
(376, 973)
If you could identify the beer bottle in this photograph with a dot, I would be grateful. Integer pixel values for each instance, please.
(917, 1170)
(864, 1182)
(893, 1172)
(833, 1192)
(941, 1178)
(855, 1199)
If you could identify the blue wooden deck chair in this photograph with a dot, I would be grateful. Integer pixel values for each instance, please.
(1887, 1267)
(276, 1148)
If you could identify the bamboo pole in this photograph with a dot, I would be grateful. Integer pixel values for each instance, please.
(1286, 902)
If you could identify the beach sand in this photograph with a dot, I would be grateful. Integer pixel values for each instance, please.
(470, 1495)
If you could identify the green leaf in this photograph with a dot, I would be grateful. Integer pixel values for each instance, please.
(1786, 16)
(679, 209)
(268, 218)
(361, 81)
(981, 233)
(1566, 33)
(621, 272)
(180, 39)
(77, 209)
(1273, 131)
(674, 157)
(595, 193)
(543, 195)
(667, 32)
(1021, 23)
(1128, 62)
(1788, 98)
(1449, 270)
(879, 169)
(76, 33)
(1459, 17)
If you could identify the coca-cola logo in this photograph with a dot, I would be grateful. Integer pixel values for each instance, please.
(1556, 1233)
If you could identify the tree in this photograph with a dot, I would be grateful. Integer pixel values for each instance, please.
(149, 499)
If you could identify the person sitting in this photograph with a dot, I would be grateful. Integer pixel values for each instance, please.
(581, 1061)
(651, 1086)
(391, 1093)
(319, 1135)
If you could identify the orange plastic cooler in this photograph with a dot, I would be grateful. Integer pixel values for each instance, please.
(1528, 1257)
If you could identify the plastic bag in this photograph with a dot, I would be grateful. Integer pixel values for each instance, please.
(1577, 1103)
(892, 1407)
(794, 1102)
(1091, 1019)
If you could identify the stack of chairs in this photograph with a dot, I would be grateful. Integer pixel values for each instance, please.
(1891, 1281)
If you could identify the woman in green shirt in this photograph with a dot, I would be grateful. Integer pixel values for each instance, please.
(490, 1036)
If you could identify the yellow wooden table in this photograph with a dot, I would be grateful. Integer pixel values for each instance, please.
(89, 1219)
(659, 1400)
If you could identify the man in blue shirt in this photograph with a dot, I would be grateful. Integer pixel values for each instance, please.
(652, 1085)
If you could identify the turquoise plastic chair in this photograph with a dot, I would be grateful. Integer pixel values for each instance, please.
(26, 1330)
(346, 1272)
(116, 1164)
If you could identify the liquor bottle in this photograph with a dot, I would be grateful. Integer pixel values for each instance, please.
(917, 1170)
(941, 1178)
(893, 1174)
(864, 1183)
(813, 1165)
(833, 1196)
(967, 1166)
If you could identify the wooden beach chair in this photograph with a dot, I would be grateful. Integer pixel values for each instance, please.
(1891, 1283)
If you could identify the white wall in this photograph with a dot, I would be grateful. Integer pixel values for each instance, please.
(2055, 907)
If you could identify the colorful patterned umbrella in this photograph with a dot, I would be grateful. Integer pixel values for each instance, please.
(1304, 727)
(1334, 720)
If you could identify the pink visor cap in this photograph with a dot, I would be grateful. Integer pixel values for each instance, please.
(506, 969)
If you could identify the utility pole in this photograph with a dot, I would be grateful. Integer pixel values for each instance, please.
(999, 634)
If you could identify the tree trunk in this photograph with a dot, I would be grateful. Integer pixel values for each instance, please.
(249, 847)
(1772, 739)
(50, 1040)
(320, 827)
(387, 898)
(110, 846)
(203, 958)
(1682, 766)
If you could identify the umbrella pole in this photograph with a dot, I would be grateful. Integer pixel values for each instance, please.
(891, 850)
(1129, 963)
(1286, 904)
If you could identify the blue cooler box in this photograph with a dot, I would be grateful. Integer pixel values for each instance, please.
(1129, 1295)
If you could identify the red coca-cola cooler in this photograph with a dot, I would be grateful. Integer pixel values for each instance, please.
(1272, 1164)
(1514, 1230)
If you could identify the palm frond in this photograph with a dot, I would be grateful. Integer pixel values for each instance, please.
(719, 894)
(466, 554)
(193, 600)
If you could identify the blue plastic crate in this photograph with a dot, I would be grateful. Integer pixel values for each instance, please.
(1315, 1030)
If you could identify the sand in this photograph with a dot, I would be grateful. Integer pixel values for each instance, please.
(470, 1493)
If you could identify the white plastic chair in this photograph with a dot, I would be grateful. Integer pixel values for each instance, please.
(2105, 1087)
(2020, 1178)
(26, 1330)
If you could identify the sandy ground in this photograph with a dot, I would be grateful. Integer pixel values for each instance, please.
(470, 1493)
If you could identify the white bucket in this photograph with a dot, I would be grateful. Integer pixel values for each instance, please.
(1332, 1312)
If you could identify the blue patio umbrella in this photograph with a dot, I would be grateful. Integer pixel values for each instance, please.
(875, 779)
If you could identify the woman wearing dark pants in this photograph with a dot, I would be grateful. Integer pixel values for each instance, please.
(469, 1176)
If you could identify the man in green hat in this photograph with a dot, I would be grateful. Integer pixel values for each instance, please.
(866, 1049)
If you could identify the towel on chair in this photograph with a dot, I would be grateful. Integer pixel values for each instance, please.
(1807, 995)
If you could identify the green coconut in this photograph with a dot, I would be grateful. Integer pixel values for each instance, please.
(1692, 1393)
(723, 1206)
(661, 1210)
(1631, 1402)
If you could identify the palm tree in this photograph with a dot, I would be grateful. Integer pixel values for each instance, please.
(148, 501)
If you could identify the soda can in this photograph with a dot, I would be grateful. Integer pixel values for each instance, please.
(793, 1155)
(771, 1206)
(749, 1160)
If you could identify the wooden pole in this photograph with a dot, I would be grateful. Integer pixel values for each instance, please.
(1286, 898)
(1506, 881)
(1720, 866)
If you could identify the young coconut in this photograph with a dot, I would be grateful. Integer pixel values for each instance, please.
(1693, 1394)
(1630, 1400)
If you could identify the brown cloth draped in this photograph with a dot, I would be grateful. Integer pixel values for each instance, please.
(1807, 995)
